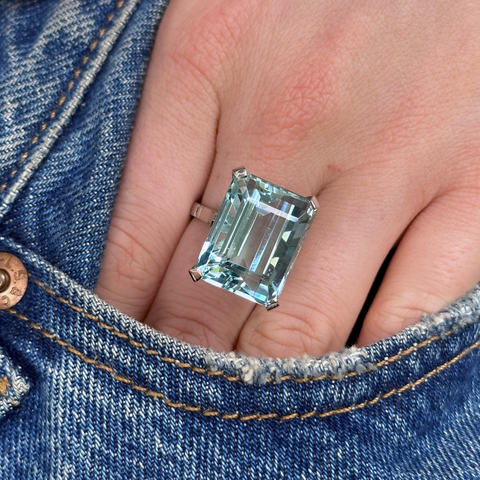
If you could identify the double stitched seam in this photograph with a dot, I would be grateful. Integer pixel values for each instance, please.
(237, 415)
(92, 47)
(204, 371)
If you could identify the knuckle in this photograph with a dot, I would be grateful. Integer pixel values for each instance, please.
(189, 330)
(191, 319)
(125, 259)
(294, 107)
(395, 313)
(208, 40)
(289, 334)
(125, 278)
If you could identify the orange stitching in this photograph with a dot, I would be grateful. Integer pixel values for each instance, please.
(4, 384)
(71, 83)
(230, 378)
(236, 415)
(60, 103)
(23, 157)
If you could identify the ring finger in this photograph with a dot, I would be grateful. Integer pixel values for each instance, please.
(197, 312)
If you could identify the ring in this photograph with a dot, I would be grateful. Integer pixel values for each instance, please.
(254, 238)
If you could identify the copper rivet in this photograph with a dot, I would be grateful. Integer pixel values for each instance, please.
(4, 280)
(13, 280)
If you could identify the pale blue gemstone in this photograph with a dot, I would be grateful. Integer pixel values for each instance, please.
(255, 239)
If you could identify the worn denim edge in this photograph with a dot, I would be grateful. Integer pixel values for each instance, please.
(75, 96)
(260, 370)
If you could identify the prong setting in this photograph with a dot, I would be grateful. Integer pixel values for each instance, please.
(314, 203)
(271, 305)
(239, 173)
(196, 274)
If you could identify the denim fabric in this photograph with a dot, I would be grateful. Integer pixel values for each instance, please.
(13, 385)
(87, 392)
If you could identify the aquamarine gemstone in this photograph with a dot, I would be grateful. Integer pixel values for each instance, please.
(255, 239)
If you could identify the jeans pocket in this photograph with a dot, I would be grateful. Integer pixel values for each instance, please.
(139, 404)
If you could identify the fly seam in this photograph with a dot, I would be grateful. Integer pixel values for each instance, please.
(230, 378)
(63, 96)
(237, 415)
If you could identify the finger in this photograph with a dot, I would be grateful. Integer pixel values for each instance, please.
(348, 240)
(168, 163)
(197, 312)
(437, 261)
(347, 243)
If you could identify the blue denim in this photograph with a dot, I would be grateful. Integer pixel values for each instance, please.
(87, 392)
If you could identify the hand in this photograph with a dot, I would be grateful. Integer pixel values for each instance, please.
(374, 107)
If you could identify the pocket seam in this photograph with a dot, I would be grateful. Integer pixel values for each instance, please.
(236, 415)
(57, 118)
(63, 97)
(217, 373)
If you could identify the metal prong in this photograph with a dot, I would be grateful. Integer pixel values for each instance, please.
(239, 173)
(313, 203)
(196, 274)
(271, 305)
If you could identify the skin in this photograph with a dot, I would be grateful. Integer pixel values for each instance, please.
(372, 106)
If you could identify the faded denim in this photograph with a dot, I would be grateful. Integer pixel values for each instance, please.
(88, 393)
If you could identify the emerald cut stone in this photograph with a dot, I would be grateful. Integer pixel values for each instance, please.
(254, 239)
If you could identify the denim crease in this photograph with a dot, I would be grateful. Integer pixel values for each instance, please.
(86, 392)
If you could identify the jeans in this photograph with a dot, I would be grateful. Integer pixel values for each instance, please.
(87, 392)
